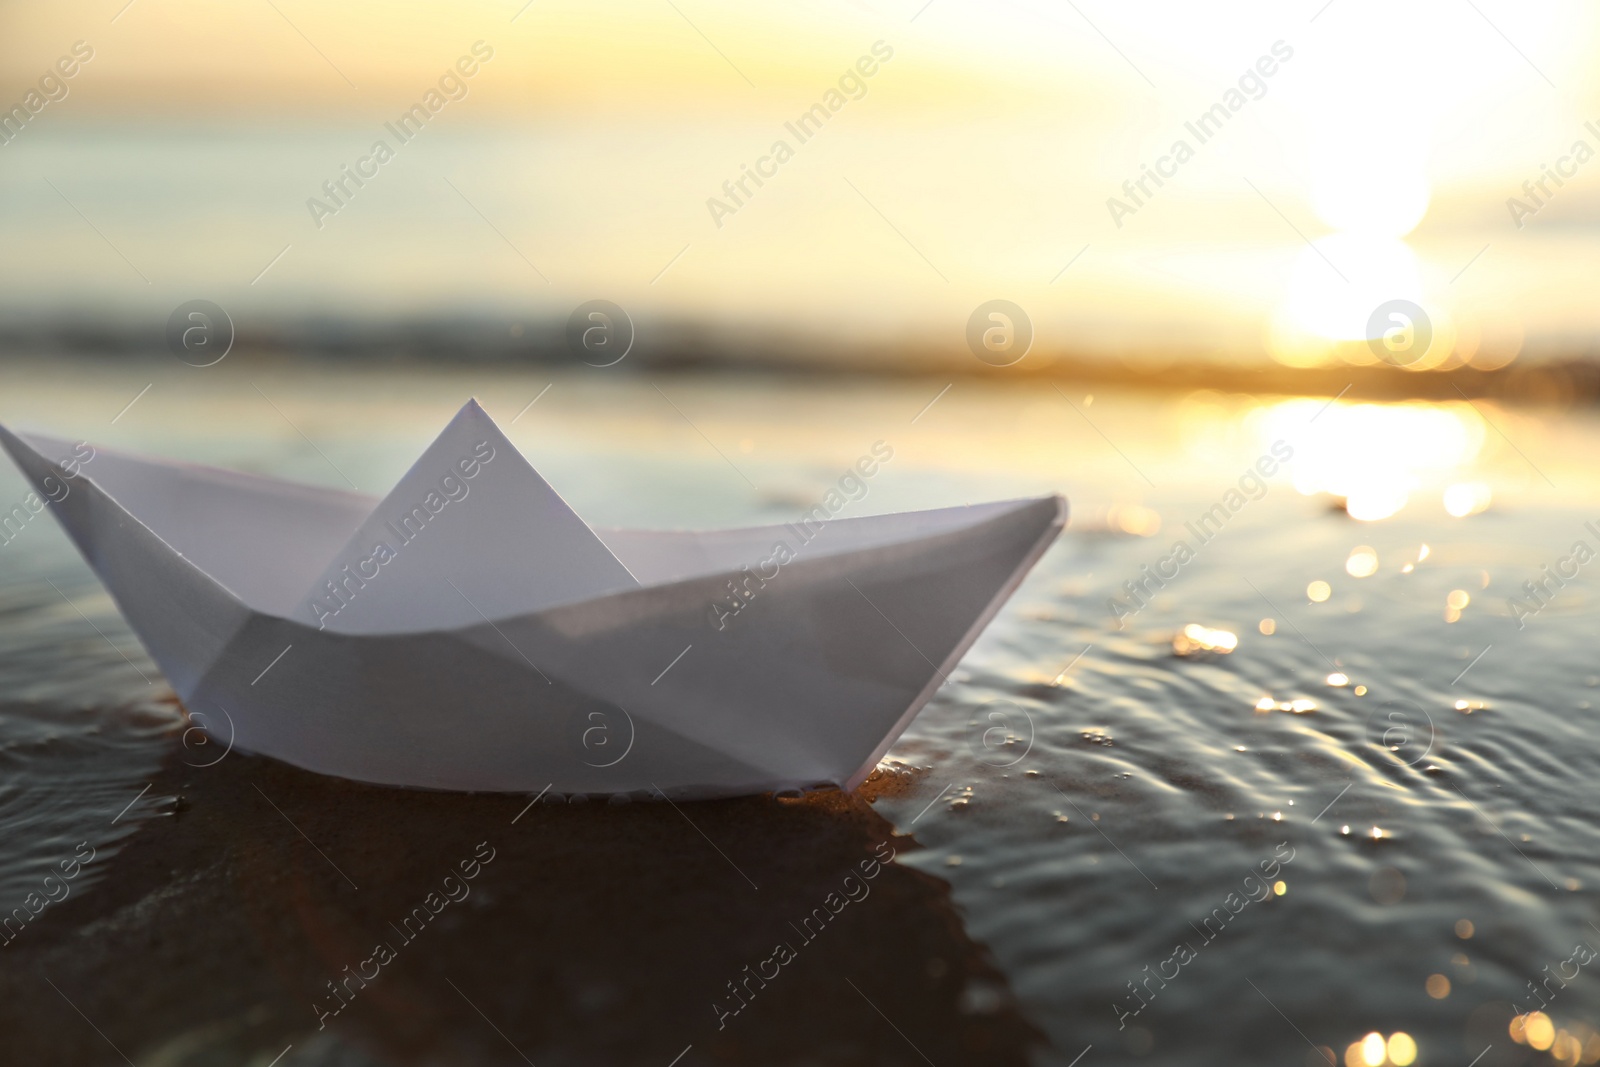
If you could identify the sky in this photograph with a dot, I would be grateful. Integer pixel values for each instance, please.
(1359, 153)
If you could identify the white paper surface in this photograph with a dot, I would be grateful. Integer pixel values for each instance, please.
(502, 644)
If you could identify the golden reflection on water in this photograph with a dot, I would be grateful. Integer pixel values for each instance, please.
(1299, 706)
(1399, 1049)
(1535, 1029)
(1374, 457)
(1467, 498)
(1195, 639)
(1363, 562)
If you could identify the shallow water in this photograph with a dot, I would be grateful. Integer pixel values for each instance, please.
(1075, 804)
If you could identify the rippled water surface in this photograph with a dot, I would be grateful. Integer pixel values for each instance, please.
(1375, 814)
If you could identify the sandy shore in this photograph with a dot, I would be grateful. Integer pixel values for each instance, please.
(595, 933)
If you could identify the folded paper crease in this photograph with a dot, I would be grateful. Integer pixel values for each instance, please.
(470, 631)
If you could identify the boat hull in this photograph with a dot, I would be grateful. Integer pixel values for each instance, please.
(648, 691)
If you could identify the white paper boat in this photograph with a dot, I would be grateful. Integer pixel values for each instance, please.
(471, 632)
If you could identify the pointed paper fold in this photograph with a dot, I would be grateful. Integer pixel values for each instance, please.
(471, 512)
(503, 644)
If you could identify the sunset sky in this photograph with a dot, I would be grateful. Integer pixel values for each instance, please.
(979, 162)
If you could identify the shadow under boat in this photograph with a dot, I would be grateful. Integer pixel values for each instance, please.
(249, 917)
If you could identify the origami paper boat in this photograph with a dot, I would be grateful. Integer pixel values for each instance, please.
(469, 631)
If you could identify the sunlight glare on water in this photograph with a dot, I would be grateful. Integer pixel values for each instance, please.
(1374, 457)
(1300, 739)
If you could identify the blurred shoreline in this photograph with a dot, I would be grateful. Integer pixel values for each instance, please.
(1556, 374)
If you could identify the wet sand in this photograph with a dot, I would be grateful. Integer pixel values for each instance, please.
(597, 933)
(1083, 801)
